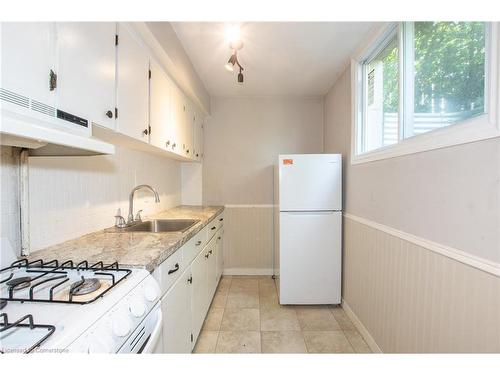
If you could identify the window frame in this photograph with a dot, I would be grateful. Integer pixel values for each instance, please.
(477, 128)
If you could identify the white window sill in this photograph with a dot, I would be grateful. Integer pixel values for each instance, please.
(473, 130)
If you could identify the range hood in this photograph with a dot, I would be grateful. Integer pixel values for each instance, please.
(21, 131)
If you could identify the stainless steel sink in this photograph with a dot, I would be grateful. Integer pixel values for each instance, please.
(166, 225)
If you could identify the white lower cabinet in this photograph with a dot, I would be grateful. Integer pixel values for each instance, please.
(187, 299)
(212, 268)
(219, 255)
(199, 296)
(176, 310)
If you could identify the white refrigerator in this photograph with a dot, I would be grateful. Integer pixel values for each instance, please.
(308, 228)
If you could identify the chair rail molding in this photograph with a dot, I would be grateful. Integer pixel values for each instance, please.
(447, 251)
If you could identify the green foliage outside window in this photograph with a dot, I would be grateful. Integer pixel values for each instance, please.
(449, 68)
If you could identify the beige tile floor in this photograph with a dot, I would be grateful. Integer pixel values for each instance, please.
(245, 317)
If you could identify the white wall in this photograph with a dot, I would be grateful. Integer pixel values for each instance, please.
(447, 200)
(450, 196)
(243, 138)
(72, 196)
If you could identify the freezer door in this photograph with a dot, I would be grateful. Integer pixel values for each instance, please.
(310, 182)
(310, 257)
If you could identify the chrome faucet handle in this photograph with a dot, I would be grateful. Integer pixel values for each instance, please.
(120, 221)
(138, 216)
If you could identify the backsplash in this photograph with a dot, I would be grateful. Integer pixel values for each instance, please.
(10, 236)
(72, 196)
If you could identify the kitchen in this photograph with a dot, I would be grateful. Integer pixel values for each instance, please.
(250, 187)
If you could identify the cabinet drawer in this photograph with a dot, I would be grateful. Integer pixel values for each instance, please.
(169, 271)
(214, 226)
(220, 220)
(193, 247)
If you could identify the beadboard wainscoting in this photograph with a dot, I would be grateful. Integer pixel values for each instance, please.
(248, 240)
(407, 295)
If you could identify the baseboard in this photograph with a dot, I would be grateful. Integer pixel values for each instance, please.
(248, 271)
(361, 328)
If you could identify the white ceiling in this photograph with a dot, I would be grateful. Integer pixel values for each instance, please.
(280, 58)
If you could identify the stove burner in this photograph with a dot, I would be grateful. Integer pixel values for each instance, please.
(88, 286)
(3, 303)
(19, 283)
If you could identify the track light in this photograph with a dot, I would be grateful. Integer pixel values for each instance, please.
(233, 37)
(230, 63)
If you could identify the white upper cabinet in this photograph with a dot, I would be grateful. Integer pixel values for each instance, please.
(188, 131)
(86, 74)
(160, 108)
(132, 92)
(198, 136)
(28, 56)
(178, 120)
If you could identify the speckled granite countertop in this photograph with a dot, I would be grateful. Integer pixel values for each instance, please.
(129, 249)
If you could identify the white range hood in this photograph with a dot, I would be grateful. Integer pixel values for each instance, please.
(43, 139)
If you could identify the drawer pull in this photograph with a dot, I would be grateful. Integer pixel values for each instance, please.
(207, 255)
(213, 228)
(210, 252)
(190, 280)
(175, 269)
(198, 243)
(221, 219)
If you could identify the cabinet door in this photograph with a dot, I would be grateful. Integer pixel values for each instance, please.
(28, 56)
(212, 269)
(198, 136)
(199, 296)
(86, 77)
(132, 86)
(176, 310)
(220, 255)
(178, 119)
(188, 131)
(160, 107)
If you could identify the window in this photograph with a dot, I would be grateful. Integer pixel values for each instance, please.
(419, 77)
(381, 112)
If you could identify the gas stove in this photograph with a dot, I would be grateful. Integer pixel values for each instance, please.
(68, 307)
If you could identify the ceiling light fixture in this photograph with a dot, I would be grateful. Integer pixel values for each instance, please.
(235, 44)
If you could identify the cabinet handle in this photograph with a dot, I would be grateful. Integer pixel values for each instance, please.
(213, 228)
(219, 238)
(206, 256)
(174, 145)
(175, 269)
(198, 243)
(221, 219)
(210, 252)
(167, 143)
(145, 131)
(52, 80)
(187, 151)
(190, 280)
(109, 114)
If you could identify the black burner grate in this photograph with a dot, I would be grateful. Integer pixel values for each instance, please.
(5, 326)
(57, 274)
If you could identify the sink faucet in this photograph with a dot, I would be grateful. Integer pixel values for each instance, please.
(120, 221)
(130, 218)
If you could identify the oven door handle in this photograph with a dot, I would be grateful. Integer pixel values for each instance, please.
(155, 335)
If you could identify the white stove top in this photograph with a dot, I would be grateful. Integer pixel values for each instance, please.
(100, 321)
